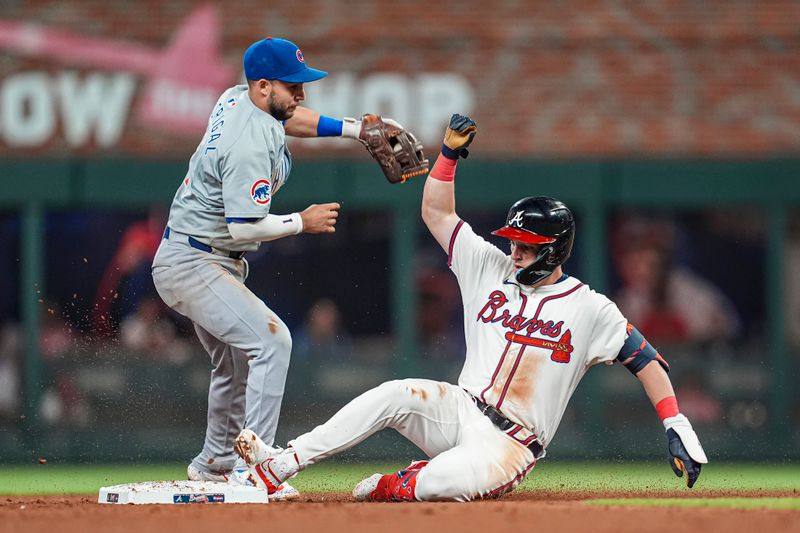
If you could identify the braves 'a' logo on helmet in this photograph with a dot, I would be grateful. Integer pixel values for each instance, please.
(516, 220)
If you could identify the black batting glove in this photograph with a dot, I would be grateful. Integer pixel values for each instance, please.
(680, 460)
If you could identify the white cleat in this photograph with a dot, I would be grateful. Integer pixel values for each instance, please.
(249, 477)
(252, 449)
(243, 475)
(366, 487)
(258, 472)
(195, 474)
(285, 492)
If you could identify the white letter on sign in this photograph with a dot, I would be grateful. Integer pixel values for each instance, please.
(26, 109)
(438, 97)
(99, 103)
(387, 95)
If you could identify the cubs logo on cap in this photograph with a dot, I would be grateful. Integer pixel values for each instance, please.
(260, 192)
(278, 59)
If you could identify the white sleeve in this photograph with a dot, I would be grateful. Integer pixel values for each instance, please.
(269, 228)
(608, 334)
(471, 257)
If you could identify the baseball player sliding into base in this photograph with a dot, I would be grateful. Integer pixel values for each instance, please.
(532, 332)
(220, 212)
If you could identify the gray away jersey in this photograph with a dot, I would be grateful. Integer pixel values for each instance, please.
(239, 165)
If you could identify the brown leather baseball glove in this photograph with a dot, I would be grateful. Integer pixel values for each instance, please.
(395, 149)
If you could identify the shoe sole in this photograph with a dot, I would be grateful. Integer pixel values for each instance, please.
(198, 475)
(243, 449)
(287, 498)
(360, 492)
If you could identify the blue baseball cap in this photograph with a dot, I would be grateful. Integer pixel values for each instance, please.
(278, 59)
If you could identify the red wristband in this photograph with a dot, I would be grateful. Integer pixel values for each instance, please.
(444, 169)
(667, 407)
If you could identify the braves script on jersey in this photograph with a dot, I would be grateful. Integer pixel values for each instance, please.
(527, 348)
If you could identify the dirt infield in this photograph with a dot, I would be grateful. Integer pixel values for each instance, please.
(337, 513)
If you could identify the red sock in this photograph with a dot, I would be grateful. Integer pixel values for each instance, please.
(398, 487)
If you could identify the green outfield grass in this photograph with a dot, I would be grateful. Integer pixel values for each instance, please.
(54, 479)
(659, 477)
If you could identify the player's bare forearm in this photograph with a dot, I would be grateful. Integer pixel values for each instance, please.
(686, 454)
(303, 123)
(439, 210)
(438, 198)
(656, 382)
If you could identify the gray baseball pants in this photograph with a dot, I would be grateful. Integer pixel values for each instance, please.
(248, 344)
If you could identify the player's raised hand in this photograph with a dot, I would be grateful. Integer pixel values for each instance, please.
(459, 135)
(320, 218)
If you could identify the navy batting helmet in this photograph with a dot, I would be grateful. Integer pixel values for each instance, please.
(543, 221)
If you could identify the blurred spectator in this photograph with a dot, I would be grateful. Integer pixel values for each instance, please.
(148, 331)
(127, 277)
(9, 370)
(321, 338)
(57, 338)
(62, 402)
(56, 342)
(667, 302)
(696, 401)
(735, 236)
(441, 336)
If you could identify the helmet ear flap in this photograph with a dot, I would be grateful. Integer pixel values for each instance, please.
(540, 268)
(550, 257)
(548, 252)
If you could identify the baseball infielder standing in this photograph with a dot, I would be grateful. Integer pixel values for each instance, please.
(532, 332)
(222, 211)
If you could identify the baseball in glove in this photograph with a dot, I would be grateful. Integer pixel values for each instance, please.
(395, 149)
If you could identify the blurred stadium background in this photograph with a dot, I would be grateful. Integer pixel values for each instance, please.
(672, 128)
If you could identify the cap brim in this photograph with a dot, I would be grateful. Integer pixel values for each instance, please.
(516, 234)
(304, 76)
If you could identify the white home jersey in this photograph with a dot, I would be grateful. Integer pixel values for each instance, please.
(528, 348)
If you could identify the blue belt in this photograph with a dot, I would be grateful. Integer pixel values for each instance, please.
(194, 243)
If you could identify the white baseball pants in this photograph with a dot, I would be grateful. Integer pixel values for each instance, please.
(470, 457)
